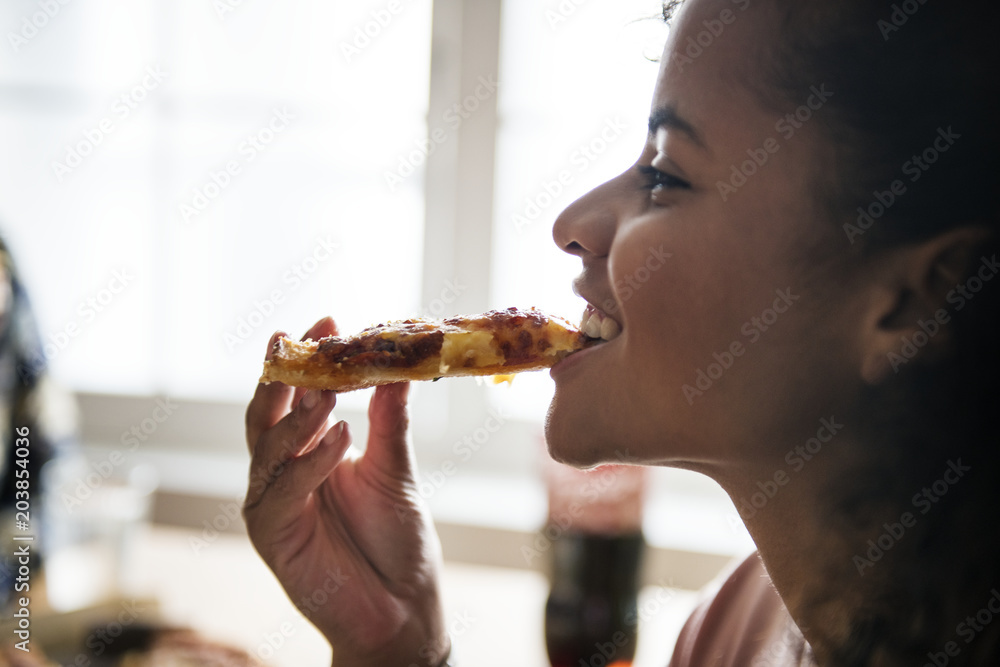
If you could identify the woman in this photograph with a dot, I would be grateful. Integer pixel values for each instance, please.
(820, 342)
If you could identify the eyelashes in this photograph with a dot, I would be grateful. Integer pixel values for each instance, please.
(659, 181)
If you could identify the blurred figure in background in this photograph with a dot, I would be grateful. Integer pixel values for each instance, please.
(28, 398)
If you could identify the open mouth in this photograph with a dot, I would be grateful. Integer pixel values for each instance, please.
(597, 325)
(598, 328)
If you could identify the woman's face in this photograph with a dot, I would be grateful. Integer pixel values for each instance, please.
(715, 260)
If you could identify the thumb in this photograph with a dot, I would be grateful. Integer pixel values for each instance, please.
(389, 448)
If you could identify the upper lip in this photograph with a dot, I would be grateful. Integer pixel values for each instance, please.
(594, 300)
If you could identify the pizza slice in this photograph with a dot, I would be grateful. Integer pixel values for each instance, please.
(497, 342)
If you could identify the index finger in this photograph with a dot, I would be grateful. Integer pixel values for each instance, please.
(322, 328)
(270, 402)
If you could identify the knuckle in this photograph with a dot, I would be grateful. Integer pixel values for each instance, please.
(281, 481)
(248, 420)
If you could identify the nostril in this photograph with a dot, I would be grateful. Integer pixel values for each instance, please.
(573, 247)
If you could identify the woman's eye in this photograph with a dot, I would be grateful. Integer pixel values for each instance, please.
(658, 181)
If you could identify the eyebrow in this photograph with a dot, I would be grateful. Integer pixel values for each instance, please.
(668, 117)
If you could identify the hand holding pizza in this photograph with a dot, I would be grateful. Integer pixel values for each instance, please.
(347, 538)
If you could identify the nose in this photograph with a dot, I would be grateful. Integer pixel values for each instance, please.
(586, 228)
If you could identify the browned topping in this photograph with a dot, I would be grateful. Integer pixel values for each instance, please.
(424, 346)
(518, 350)
(332, 347)
(402, 352)
(509, 318)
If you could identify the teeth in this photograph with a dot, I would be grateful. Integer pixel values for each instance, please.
(596, 324)
(610, 329)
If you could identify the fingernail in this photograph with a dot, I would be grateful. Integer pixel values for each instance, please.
(310, 399)
(271, 343)
(334, 434)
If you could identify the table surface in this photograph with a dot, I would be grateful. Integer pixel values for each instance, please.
(226, 592)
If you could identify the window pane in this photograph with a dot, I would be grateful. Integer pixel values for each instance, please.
(231, 162)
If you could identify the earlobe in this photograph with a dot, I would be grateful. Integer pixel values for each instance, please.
(880, 337)
(907, 316)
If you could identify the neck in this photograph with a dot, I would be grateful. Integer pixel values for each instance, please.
(879, 569)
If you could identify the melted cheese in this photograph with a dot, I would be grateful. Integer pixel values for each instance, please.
(461, 346)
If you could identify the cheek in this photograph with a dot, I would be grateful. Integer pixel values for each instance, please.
(685, 292)
(641, 266)
(667, 284)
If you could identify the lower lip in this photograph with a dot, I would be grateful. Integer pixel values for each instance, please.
(573, 360)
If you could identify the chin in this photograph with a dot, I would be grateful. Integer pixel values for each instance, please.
(574, 440)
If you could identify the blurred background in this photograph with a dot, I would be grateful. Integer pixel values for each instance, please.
(183, 177)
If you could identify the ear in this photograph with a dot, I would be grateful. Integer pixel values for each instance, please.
(908, 311)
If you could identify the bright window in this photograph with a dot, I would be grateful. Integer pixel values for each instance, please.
(182, 177)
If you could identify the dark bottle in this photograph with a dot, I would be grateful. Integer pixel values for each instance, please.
(595, 531)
